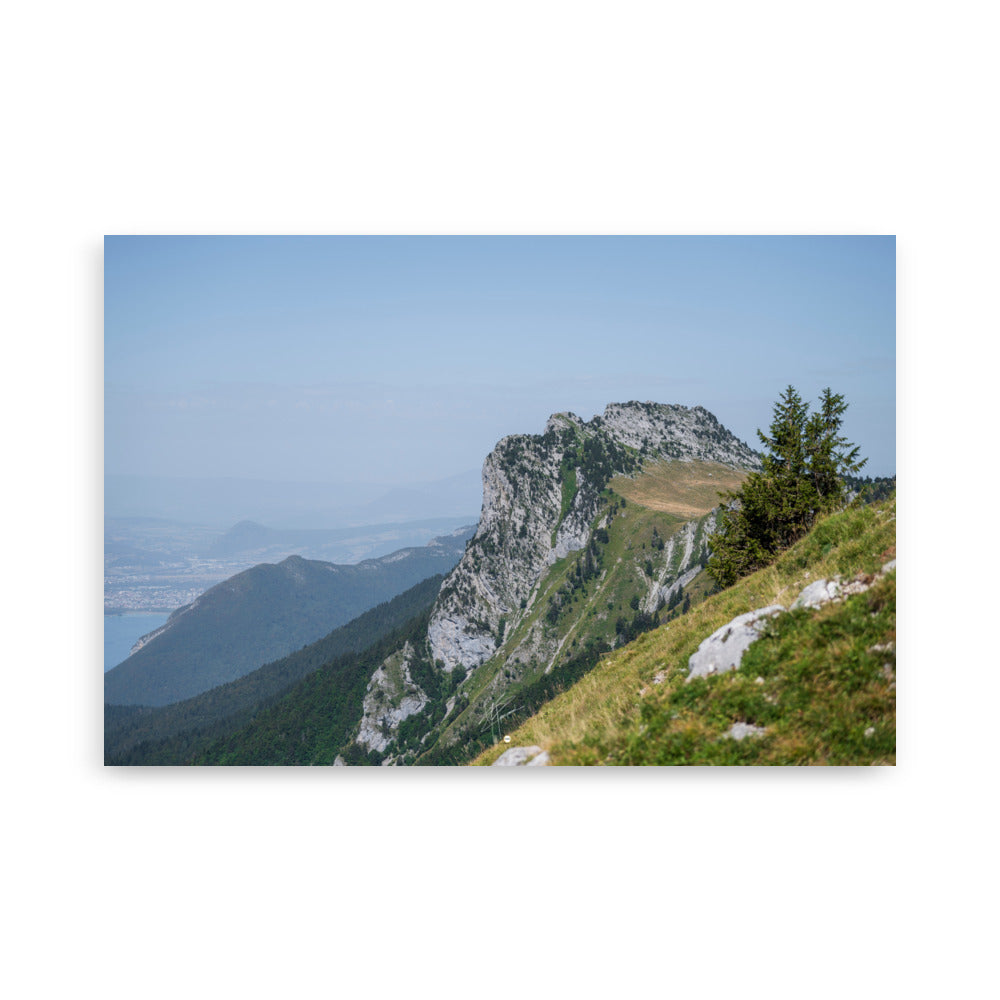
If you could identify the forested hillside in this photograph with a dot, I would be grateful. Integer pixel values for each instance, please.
(315, 720)
(174, 733)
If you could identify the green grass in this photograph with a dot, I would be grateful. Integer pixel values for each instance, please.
(815, 683)
(569, 487)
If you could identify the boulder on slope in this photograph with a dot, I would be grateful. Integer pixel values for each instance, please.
(724, 648)
(519, 757)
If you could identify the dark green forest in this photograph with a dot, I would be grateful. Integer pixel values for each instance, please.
(869, 489)
(316, 719)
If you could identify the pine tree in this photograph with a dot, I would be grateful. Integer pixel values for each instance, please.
(828, 463)
(801, 477)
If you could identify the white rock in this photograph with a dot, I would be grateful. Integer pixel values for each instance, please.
(516, 756)
(740, 730)
(724, 648)
(818, 593)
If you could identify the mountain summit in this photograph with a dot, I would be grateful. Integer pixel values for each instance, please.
(541, 494)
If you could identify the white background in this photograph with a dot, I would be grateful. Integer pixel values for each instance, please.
(534, 117)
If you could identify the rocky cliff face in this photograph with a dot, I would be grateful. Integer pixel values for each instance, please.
(541, 494)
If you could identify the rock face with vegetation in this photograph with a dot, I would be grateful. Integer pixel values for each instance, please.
(392, 696)
(541, 494)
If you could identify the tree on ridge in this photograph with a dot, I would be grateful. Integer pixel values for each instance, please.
(800, 478)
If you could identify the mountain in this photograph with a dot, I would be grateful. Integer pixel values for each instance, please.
(541, 496)
(151, 564)
(263, 614)
(313, 722)
(590, 534)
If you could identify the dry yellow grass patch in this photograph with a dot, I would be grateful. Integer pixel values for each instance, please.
(599, 702)
(684, 489)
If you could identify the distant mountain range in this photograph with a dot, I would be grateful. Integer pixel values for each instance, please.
(265, 613)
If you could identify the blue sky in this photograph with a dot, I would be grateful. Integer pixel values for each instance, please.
(403, 360)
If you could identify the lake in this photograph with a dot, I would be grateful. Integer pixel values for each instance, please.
(122, 631)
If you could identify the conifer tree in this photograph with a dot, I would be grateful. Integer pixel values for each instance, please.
(801, 477)
(828, 462)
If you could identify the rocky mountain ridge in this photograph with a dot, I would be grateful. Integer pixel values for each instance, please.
(540, 496)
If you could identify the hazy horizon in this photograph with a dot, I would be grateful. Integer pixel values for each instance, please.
(223, 502)
(374, 363)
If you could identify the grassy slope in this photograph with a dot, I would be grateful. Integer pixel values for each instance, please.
(822, 686)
